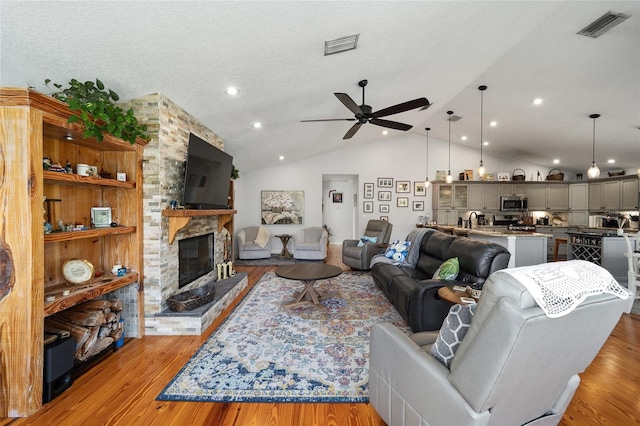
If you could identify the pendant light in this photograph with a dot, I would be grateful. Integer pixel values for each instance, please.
(481, 169)
(593, 171)
(449, 177)
(426, 179)
(638, 172)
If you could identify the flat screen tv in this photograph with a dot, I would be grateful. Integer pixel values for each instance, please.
(207, 176)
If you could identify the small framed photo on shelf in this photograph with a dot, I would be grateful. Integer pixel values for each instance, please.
(402, 202)
(384, 218)
(504, 176)
(418, 206)
(419, 189)
(468, 174)
(384, 195)
(403, 186)
(385, 182)
(367, 206)
(488, 177)
(441, 175)
(384, 208)
(368, 191)
(101, 217)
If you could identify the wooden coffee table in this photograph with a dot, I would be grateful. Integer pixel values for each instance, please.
(308, 274)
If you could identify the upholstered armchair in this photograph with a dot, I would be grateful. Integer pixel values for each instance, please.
(359, 257)
(310, 243)
(253, 243)
(514, 366)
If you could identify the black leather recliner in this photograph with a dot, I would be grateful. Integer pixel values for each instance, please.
(414, 293)
(360, 257)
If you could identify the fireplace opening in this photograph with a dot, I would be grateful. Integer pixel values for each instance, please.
(195, 258)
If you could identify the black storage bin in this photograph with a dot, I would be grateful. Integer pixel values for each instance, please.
(58, 364)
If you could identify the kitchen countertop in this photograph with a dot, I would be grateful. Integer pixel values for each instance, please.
(508, 233)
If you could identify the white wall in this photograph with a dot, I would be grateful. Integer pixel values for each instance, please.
(401, 158)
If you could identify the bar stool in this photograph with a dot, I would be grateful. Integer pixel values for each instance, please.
(556, 246)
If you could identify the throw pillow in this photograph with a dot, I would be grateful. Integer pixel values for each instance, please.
(263, 237)
(364, 239)
(398, 250)
(454, 328)
(448, 270)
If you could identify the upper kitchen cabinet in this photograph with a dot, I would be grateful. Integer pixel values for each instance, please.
(484, 196)
(548, 196)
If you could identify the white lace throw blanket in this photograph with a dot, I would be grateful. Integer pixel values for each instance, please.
(561, 286)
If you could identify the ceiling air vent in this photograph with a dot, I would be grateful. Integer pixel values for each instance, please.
(454, 118)
(603, 24)
(340, 44)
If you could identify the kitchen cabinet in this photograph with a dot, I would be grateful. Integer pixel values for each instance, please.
(579, 196)
(451, 195)
(601, 249)
(447, 217)
(604, 195)
(548, 196)
(483, 196)
(513, 188)
(629, 194)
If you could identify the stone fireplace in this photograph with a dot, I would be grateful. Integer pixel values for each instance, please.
(163, 169)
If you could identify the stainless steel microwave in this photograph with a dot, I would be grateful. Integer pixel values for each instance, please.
(513, 203)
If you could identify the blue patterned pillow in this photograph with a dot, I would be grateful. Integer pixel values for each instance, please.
(364, 239)
(398, 250)
(454, 328)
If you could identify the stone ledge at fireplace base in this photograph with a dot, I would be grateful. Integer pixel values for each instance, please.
(196, 321)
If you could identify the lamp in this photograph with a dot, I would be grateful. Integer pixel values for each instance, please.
(449, 177)
(594, 171)
(638, 172)
(481, 169)
(426, 179)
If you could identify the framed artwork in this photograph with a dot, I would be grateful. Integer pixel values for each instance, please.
(402, 202)
(384, 208)
(101, 217)
(282, 207)
(489, 177)
(337, 197)
(367, 206)
(384, 218)
(441, 175)
(368, 191)
(468, 174)
(419, 189)
(504, 176)
(418, 205)
(384, 195)
(403, 186)
(385, 182)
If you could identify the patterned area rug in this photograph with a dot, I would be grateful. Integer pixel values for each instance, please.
(264, 353)
(273, 260)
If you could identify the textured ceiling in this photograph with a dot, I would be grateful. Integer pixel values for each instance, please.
(273, 52)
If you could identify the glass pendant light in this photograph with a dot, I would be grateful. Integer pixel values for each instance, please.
(449, 177)
(638, 172)
(426, 179)
(593, 171)
(481, 169)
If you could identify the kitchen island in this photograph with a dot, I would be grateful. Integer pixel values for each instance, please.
(526, 248)
(603, 248)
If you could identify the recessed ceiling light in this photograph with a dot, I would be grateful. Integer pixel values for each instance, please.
(537, 101)
(231, 91)
(257, 125)
(464, 138)
(485, 143)
(611, 161)
(493, 123)
(281, 157)
(556, 161)
(385, 132)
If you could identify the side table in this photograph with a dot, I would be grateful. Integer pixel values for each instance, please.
(284, 238)
(450, 295)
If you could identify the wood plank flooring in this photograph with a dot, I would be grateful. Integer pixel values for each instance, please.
(122, 389)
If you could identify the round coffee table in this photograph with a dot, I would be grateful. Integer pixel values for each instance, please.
(308, 274)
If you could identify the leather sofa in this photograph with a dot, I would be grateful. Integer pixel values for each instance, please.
(412, 290)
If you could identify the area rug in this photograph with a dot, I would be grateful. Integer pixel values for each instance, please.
(264, 352)
(274, 260)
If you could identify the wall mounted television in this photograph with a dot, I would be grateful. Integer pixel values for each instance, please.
(207, 176)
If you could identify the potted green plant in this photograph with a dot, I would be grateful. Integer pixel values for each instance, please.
(97, 111)
(235, 173)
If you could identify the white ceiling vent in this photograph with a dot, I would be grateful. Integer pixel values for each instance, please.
(603, 24)
(340, 44)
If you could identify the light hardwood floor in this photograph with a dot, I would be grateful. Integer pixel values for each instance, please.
(122, 389)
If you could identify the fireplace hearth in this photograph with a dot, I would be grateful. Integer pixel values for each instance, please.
(196, 258)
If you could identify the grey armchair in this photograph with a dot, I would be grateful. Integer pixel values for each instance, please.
(310, 243)
(514, 366)
(247, 248)
(360, 257)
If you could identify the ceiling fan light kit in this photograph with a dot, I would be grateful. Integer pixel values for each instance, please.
(449, 177)
(481, 168)
(593, 171)
(364, 114)
(426, 179)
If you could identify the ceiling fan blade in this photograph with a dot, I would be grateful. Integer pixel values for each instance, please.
(329, 119)
(390, 124)
(352, 131)
(349, 103)
(405, 106)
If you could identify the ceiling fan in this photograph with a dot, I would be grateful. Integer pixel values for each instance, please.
(363, 113)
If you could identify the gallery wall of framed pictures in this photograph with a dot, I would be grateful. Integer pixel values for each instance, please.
(387, 193)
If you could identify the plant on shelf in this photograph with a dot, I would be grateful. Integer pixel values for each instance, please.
(235, 173)
(98, 112)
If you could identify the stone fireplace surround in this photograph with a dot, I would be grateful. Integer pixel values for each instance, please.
(169, 127)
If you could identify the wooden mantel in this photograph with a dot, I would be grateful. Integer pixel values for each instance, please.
(179, 218)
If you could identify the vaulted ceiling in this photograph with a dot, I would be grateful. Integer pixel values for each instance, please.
(273, 51)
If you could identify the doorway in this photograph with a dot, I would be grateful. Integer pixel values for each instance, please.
(340, 206)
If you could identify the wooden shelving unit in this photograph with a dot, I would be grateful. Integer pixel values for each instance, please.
(33, 126)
